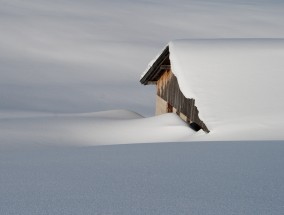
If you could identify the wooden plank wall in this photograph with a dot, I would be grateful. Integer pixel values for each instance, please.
(168, 89)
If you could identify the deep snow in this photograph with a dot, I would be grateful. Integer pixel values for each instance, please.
(85, 56)
(236, 83)
(168, 178)
(64, 57)
(100, 128)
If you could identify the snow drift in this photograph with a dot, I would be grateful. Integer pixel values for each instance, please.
(62, 57)
(237, 85)
(100, 128)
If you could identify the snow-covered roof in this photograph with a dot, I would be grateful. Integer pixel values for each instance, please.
(237, 84)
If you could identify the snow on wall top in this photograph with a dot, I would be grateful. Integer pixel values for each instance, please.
(237, 84)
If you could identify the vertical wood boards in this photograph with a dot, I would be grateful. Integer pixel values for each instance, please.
(168, 89)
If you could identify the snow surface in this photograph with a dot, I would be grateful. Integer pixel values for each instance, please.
(209, 178)
(85, 56)
(237, 85)
(100, 128)
(63, 60)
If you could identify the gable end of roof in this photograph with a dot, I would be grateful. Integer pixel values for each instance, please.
(157, 68)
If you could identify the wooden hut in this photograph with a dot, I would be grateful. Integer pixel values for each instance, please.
(169, 96)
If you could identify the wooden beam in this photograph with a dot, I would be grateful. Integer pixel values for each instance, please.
(165, 67)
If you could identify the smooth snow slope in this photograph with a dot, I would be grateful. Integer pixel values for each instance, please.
(85, 56)
(207, 178)
(100, 128)
(237, 85)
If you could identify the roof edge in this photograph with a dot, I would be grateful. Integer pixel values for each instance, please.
(150, 72)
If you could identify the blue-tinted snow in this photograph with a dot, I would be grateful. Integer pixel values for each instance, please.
(166, 178)
(84, 56)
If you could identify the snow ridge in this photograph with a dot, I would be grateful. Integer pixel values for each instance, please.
(237, 84)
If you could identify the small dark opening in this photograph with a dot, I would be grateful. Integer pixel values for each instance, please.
(169, 108)
(194, 126)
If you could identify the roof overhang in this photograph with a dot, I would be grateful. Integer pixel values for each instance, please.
(160, 65)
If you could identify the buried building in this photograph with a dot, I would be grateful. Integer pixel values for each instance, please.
(218, 83)
(169, 96)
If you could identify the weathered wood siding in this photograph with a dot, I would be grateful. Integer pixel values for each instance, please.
(168, 89)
